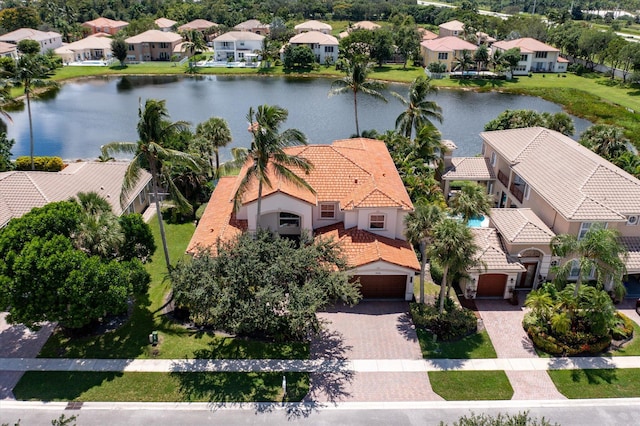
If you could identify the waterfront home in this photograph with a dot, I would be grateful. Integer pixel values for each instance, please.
(444, 50)
(165, 24)
(313, 26)
(359, 201)
(48, 40)
(91, 48)
(237, 46)
(104, 25)
(21, 191)
(323, 46)
(202, 25)
(9, 50)
(153, 45)
(253, 26)
(535, 56)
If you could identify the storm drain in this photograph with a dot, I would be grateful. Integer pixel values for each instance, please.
(73, 405)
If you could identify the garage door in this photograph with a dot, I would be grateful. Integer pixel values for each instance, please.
(491, 285)
(382, 286)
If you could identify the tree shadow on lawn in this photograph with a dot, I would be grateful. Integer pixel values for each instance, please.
(59, 385)
(594, 377)
(245, 348)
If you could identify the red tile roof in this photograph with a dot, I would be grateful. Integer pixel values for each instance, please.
(362, 247)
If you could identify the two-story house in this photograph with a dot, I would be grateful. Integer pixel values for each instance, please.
(104, 25)
(359, 201)
(153, 45)
(48, 40)
(535, 56)
(165, 24)
(453, 28)
(445, 50)
(548, 184)
(323, 46)
(253, 26)
(91, 48)
(237, 46)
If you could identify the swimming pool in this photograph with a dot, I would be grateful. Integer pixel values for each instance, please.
(478, 222)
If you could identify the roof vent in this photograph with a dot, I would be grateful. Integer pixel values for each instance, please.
(355, 181)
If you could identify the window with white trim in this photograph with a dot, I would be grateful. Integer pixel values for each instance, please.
(527, 191)
(327, 211)
(575, 269)
(494, 159)
(376, 221)
(443, 56)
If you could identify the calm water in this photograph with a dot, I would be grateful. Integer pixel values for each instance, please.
(85, 115)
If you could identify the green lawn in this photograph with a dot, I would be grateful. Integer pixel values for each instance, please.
(632, 347)
(613, 383)
(159, 387)
(477, 345)
(131, 340)
(471, 385)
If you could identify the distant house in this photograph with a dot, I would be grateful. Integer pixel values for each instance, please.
(9, 50)
(444, 50)
(535, 56)
(323, 46)
(237, 46)
(48, 40)
(359, 202)
(104, 25)
(313, 26)
(453, 28)
(165, 24)
(21, 191)
(253, 26)
(426, 34)
(201, 25)
(87, 49)
(152, 45)
(361, 25)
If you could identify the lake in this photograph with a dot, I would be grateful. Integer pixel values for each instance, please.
(86, 114)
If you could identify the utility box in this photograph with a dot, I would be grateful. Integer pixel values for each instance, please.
(153, 338)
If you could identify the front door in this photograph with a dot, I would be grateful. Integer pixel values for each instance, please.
(528, 278)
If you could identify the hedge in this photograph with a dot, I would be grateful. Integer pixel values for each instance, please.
(42, 164)
(454, 324)
(589, 345)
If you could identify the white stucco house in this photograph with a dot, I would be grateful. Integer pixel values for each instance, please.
(359, 201)
(237, 46)
(323, 46)
(48, 40)
(535, 56)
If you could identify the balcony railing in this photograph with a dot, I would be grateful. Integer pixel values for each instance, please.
(503, 178)
(517, 191)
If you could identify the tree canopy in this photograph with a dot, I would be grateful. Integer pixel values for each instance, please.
(519, 118)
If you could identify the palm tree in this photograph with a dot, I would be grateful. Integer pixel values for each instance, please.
(599, 250)
(463, 62)
(356, 81)
(419, 226)
(481, 56)
(195, 42)
(99, 232)
(215, 134)
(419, 110)
(267, 152)
(455, 250)
(606, 140)
(429, 146)
(472, 200)
(5, 96)
(154, 129)
(30, 72)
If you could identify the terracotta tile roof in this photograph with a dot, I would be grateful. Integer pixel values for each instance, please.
(362, 247)
(314, 37)
(218, 222)
(448, 44)
(454, 25)
(7, 47)
(521, 226)
(470, 168)
(526, 45)
(426, 34)
(633, 260)
(239, 35)
(356, 172)
(313, 26)
(197, 24)
(578, 183)
(164, 23)
(155, 36)
(491, 253)
(22, 191)
(105, 23)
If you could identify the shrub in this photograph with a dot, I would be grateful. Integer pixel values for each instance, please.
(572, 343)
(436, 271)
(623, 330)
(42, 164)
(454, 324)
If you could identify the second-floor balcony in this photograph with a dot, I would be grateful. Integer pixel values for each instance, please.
(503, 178)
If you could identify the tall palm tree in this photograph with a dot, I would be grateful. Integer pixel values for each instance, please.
(481, 56)
(472, 200)
(99, 232)
(463, 62)
(31, 72)
(429, 146)
(267, 152)
(216, 134)
(194, 42)
(606, 140)
(356, 81)
(455, 250)
(420, 111)
(154, 129)
(419, 226)
(5, 96)
(600, 250)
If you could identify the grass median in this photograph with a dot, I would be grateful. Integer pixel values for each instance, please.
(604, 383)
(471, 385)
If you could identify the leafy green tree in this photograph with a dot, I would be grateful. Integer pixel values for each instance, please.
(28, 47)
(154, 130)
(269, 52)
(419, 111)
(600, 251)
(211, 135)
(14, 18)
(357, 46)
(99, 232)
(194, 42)
(471, 201)
(119, 48)
(268, 151)
(560, 122)
(463, 62)
(356, 81)
(138, 238)
(455, 250)
(407, 40)
(511, 58)
(521, 118)
(300, 56)
(628, 162)
(606, 140)
(419, 226)
(5, 152)
(481, 56)
(381, 45)
(263, 285)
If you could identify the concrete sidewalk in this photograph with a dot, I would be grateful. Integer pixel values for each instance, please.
(314, 366)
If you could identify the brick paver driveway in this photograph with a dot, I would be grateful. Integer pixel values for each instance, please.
(503, 323)
(370, 330)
